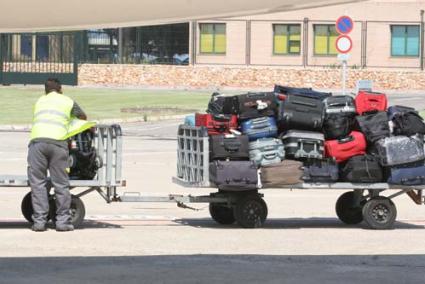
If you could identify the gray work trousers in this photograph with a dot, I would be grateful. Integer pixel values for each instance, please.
(42, 157)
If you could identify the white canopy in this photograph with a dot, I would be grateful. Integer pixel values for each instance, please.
(54, 15)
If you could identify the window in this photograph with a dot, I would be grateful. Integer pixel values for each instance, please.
(286, 39)
(42, 47)
(405, 41)
(26, 46)
(324, 40)
(213, 38)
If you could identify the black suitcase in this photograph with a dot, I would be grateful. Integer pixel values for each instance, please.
(254, 105)
(321, 171)
(408, 123)
(374, 126)
(301, 113)
(234, 175)
(303, 144)
(340, 104)
(306, 92)
(338, 125)
(233, 147)
(222, 104)
(362, 169)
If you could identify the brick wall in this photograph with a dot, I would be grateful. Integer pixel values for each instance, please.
(241, 77)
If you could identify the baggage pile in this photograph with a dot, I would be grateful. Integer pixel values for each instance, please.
(295, 135)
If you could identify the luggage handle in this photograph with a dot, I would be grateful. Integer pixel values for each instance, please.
(232, 147)
(346, 140)
(405, 180)
(270, 156)
(247, 180)
(260, 123)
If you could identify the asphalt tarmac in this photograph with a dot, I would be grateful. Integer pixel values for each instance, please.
(301, 242)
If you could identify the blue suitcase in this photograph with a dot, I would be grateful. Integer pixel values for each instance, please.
(257, 128)
(407, 176)
(189, 120)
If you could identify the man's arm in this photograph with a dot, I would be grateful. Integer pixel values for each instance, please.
(78, 112)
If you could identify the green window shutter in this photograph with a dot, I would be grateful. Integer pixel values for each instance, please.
(333, 35)
(206, 40)
(320, 39)
(219, 38)
(398, 40)
(280, 39)
(295, 39)
(412, 44)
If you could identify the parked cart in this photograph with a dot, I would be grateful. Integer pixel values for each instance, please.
(362, 201)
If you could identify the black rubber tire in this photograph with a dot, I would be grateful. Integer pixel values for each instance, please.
(27, 210)
(380, 213)
(346, 212)
(78, 211)
(251, 211)
(222, 214)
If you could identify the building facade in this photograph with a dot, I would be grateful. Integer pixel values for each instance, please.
(386, 34)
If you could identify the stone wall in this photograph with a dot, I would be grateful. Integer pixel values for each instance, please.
(208, 77)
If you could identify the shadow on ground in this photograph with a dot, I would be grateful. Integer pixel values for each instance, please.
(292, 223)
(216, 269)
(88, 224)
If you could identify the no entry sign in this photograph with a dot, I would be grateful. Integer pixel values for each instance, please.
(344, 25)
(344, 44)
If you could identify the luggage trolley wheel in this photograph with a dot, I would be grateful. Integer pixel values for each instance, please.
(345, 210)
(222, 214)
(78, 210)
(380, 213)
(250, 211)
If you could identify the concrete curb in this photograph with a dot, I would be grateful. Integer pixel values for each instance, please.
(27, 127)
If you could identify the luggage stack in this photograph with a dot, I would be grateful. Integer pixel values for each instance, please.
(295, 135)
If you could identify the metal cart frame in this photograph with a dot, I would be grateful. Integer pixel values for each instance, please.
(363, 201)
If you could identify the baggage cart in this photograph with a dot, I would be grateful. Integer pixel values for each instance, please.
(369, 202)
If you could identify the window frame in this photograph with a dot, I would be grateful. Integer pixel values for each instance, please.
(288, 43)
(213, 52)
(405, 55)
(328, 36)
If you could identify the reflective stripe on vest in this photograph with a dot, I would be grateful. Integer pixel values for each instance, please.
(77, 126)
(52, 115)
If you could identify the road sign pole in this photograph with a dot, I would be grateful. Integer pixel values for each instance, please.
(344, 76)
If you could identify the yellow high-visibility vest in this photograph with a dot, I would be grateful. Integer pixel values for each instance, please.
(52, 115)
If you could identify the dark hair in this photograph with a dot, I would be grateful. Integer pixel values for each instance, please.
(53, 84)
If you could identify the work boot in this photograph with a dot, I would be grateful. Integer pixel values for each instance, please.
(64, 228)
(37, 227)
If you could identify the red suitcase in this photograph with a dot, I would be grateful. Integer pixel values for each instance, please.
(217, 124)
(344, 149)
(369, 101)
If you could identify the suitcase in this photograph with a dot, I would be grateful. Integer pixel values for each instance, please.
(305, 92)
(257, 128)
(374, 126)
(399, 150)
(367, 101)
(255, 105)
(407, 176)
(339, 104)
(233, 147)
(338, 125)
(397, 109)
(321, 171)
(303, 144)
(301, 113)
(408, 123)
(345, 148)
(282, 174)
(266, 151)
(222, 104)
(189, 120)
(234, 175)
(362, 169)
(216, 123)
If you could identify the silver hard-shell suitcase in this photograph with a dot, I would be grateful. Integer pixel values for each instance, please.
(303, 144)
(266, 151)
